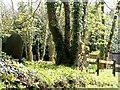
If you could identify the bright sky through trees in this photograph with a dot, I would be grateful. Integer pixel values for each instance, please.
(110, 3)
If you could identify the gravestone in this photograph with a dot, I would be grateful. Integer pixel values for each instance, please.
(13, 46)
(116, 56)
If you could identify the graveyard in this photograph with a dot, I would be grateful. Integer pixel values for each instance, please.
(59, 44)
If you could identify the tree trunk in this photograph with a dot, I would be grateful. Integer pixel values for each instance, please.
(51, 50)
(13, 15)
(119, 26)
(76, 32)
(13, 12)
(111, 34)
(56, 33)
(38, 48)
(44, 45)
(29, 46)
(29, 52)
(83, 19)
(67, 28)
(29, 37)
(26, 55)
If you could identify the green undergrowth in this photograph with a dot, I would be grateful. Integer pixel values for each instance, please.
(62, 76)
(51, 76)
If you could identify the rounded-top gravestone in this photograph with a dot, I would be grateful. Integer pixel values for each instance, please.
(14, 46)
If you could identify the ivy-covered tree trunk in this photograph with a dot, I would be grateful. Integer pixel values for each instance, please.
(67, 28)
(112, 32)
(85, 3)
(76, 32)
(56, 33)
(110, 38)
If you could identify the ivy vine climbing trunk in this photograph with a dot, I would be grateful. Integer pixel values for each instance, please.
(112, 32)
(85, 4)
(56, 33)
(67, 28)
(66, 54)
(76, 32)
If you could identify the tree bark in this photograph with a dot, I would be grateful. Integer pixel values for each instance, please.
(44, 43)
(111, 34)
(13, 15)
(119, 25)
(76, 33)
(29, 46)
(56, 33)
(83, 19)
(51, 49)
(67, 28)
(38, 49)
(29, 52)
(30, 39)
(13, 12)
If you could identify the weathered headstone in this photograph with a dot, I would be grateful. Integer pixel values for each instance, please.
(116, 56)
(14, 46)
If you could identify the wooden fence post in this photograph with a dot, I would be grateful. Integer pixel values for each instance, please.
(98, 66)
(114, 67)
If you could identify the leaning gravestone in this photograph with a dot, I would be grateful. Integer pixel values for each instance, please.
(14, 46)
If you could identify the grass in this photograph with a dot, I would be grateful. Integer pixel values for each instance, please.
(49, 75)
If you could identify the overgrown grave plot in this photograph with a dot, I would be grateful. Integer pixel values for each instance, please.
(48, 75)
